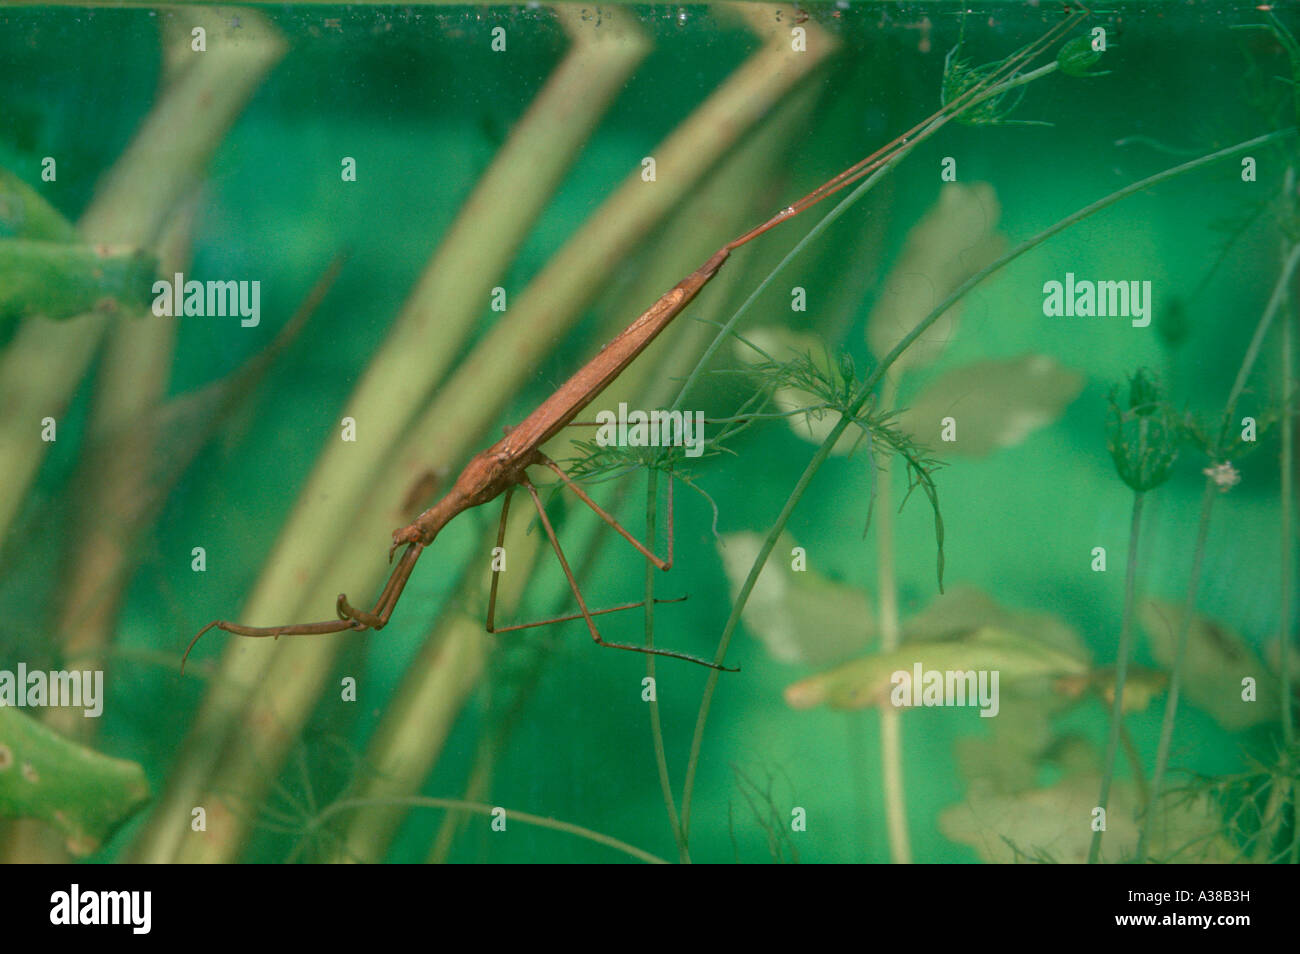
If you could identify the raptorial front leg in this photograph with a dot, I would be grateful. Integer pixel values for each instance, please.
(273, 632)
(350, 618)
(379, 616)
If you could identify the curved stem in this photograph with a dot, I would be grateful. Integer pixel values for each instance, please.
(1207, 506)
(541, 821)
(1175, 678)
(1288, 543)
(656, 726)
(891, 737)
(1121, 670)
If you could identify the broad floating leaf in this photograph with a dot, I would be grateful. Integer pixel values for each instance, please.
(800, 616)
(964, 609)
(1055, 825)
(1043, 824)
(869, 681)
(1217, 662)
(954, 240)
(995, 403)
(82, 793)
(58, 280)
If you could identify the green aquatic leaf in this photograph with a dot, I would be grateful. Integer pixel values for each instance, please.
(801, 616)
(1217, 662)
(868, 681)
(1054, 824)
(58, 280)
(955, 239)
(994, 403)
(966, 608)
(1008, 756)
(82, 793)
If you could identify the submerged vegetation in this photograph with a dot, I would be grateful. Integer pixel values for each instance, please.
(1109, 582)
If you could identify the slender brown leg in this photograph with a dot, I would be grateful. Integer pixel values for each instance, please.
(492, 627)
(565, 619)
(496, 574)
(582, 604)
(609, 519)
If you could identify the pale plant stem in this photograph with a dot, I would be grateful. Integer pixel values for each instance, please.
(456, 804)
(1270, 821)
(656, 726)
(1288, 558)
(1134, 764)
(891, 739)
(1175, 679)
(1121, 669)
(1292, 259)
(1287, 531)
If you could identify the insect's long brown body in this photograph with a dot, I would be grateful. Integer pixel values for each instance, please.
(491, 472)
(503, 466)
(597, 374)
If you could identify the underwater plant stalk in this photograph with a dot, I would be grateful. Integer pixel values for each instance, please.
(424, 708)
(1121, 670)
(656, 726)
(471, 400)
(1208, 496)
(1287, 480)
(868, 387)
(117, 502)
(42, 367)
(683, 244)
(456, 804)
(426, 337)
(1198, 554)
(891, 741)
(492, 741)
(1288, 558)
(689, 238)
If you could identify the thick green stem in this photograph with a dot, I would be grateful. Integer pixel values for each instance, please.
(891, 740)
(1121, 671)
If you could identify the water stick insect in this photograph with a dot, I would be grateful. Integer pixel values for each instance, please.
(503, 467)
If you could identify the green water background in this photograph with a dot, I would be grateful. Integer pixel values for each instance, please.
(418, 94)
